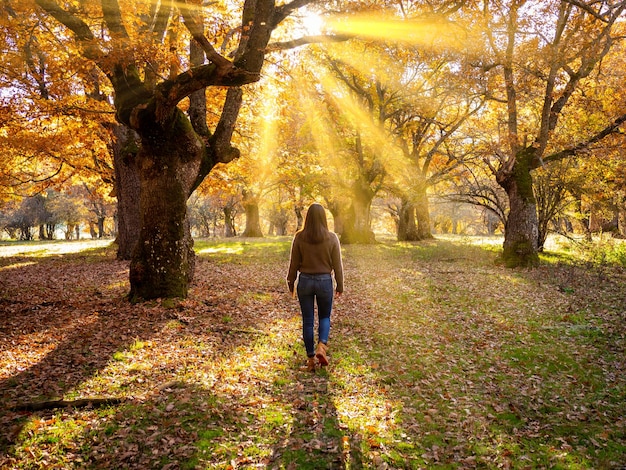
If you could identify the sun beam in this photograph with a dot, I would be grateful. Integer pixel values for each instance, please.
(435, 34)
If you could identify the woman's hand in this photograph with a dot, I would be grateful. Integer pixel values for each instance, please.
(337, 294)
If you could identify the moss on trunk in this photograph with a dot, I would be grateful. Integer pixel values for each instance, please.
(522, 228)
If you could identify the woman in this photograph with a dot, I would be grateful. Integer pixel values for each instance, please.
(315, 254)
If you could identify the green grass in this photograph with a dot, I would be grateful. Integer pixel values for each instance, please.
(440, 359)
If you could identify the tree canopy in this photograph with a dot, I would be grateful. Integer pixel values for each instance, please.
(266, 107)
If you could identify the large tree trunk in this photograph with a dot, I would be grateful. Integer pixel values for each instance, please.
(124, 149)
(163, 260)
(521, 228)
(336, 209)
(422, 212)
(356, 227)
(357, 220)
(407, 228)
(253, 220)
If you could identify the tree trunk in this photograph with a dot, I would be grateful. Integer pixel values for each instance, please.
(356, 227)
(281, 229)
(101, 220)
(50, 229)
(491, 221)
(521, 228)
(407, 228)
(542, 234)
(127, 184)
(357, 221)
(163, 259)
(253, 220)
(299, 218)
(335, 209)
(621, 214)
(229, 222)
(422, 212)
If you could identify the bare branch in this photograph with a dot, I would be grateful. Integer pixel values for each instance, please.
(304, 40)
(612, 128)
(197, 32)
(285, 10)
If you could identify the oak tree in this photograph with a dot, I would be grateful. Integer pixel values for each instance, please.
(130, 44)
(539, 55)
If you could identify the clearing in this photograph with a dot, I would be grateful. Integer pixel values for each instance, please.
(440, 358)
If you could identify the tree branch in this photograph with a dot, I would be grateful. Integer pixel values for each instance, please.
(285, 10)
(197, 32)
(304, 40)
(113, 18)
(170, 92)
(612, 128)
(80, 29)
(586, 8)
(81, 403)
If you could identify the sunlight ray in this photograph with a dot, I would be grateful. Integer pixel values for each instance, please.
(324, 131)
(435, 34)
(318, 120)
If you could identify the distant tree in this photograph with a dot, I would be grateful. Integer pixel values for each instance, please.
(250, 203)
(477, 188)
(68, 209)
(31, 213)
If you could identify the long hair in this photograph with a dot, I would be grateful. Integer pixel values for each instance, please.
(315, 225)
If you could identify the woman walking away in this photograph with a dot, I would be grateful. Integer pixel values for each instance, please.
(315, 254)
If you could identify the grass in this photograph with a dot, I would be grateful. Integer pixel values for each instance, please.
(440, 359)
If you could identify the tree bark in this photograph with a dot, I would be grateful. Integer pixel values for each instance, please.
(621, 214)
(253, 220)
(356, 227)
(336, 209)
(521, 228)
(422, 212)
(124, 149)
(407, 228)
(299, 217)
(229, 222)
(163, 260)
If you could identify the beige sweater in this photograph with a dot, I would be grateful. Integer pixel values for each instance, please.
(321, 258)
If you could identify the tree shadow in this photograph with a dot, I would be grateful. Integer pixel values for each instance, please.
(485, 372)
(60, 324)
(64, 320)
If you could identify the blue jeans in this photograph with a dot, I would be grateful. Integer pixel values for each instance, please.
(310, 288)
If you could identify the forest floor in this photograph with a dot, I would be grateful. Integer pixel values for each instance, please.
(440, 359)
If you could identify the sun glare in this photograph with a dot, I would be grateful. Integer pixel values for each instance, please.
(433, 34)
(313, 23)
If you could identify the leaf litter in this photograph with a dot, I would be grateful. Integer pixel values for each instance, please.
(439, 357)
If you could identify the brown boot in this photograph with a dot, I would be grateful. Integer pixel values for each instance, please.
(320, 353)
(310, 365)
